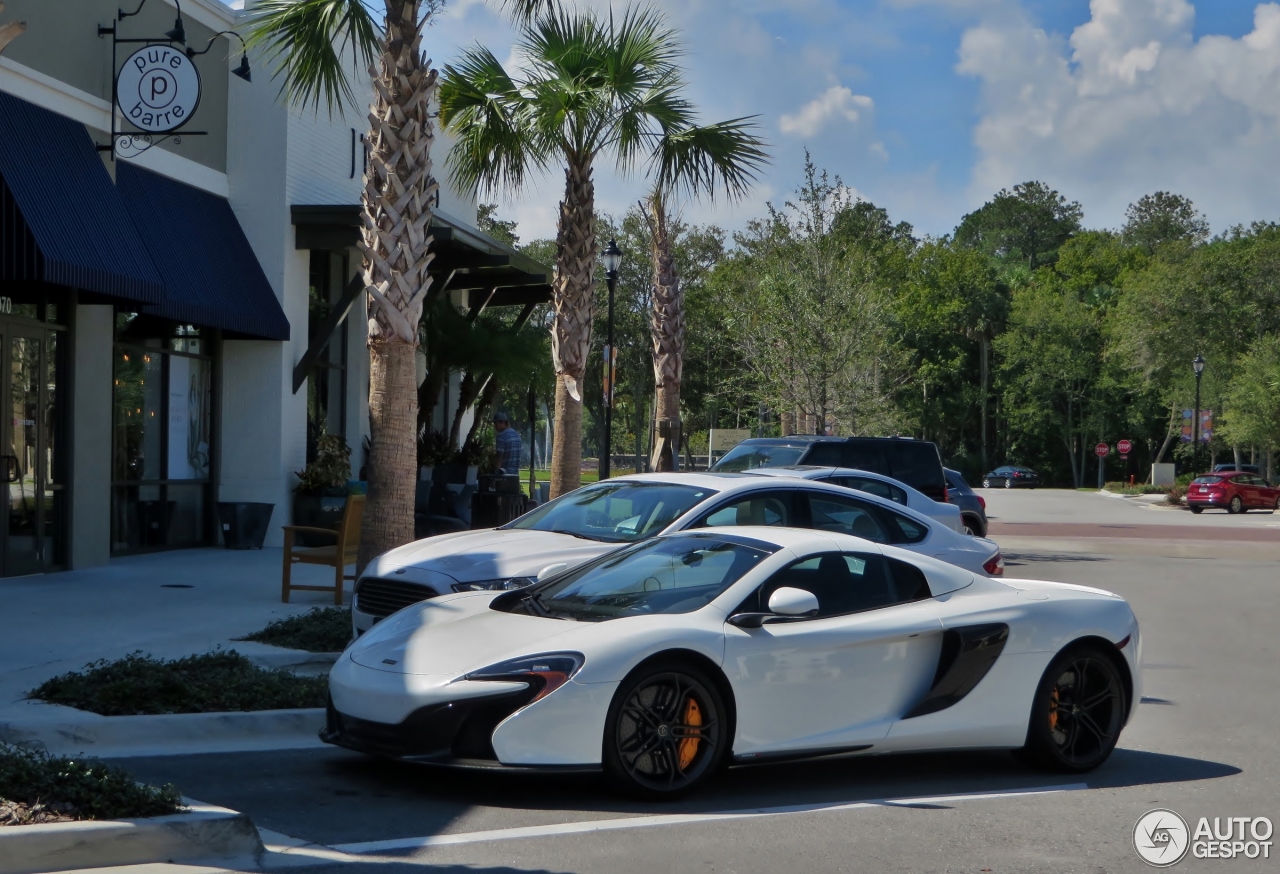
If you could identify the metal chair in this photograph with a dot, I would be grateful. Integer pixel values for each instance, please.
(338, 556)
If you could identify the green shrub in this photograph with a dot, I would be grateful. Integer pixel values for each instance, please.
(324, 629)
(215, 682)
(80, 788)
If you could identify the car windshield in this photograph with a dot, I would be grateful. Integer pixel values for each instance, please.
(1206, 480)
(748, 456)
(666, 575)
(619, 511)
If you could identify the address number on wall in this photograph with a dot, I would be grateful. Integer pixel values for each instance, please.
(6, 306)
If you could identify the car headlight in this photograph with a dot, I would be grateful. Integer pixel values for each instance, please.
(495, 585)
(550, 670)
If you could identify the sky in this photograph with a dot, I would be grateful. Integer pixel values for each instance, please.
(929, 107)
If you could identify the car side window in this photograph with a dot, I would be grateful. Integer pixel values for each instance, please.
(824, 453)
(761, 508)
(843, 515)
(908, 530)
(876, 487)
(843, 583)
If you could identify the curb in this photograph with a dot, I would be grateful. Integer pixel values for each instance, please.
(205, 833)
(70, 732)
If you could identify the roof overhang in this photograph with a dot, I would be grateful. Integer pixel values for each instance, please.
(490, 272)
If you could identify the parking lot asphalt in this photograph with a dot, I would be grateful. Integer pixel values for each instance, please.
(1203, 743)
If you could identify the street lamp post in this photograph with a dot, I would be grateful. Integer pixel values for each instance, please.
(612, 257)
(1198, 366)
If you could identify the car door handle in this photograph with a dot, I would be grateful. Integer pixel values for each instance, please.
(12, 471)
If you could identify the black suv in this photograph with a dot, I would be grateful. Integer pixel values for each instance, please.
(914, 462)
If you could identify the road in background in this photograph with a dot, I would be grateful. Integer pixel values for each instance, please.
(1204, 744)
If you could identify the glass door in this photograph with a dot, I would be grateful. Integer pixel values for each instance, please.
(27, 444)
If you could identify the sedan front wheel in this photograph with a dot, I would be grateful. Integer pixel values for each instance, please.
(666, 731)
(1236, 506)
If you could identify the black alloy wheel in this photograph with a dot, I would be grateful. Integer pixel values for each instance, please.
(1196, 510)
(1078, 711)
(1236, 506)
(666, 732)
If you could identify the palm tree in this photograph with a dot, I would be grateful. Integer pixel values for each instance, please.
(691, 161)
(587, 89)
(310, 41)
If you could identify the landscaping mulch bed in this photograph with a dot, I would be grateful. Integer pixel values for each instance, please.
(221, 681)
(324, 629)
(36, 787)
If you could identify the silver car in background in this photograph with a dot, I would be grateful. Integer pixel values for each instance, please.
(876, 484)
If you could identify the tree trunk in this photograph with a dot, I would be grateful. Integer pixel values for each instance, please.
(573, 302)
(666, 323)
(984, 379)
(396, 243)
(388, 517)
(1168, 437)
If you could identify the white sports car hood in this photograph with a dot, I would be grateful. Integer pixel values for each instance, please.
(453, 635)
(491, 554)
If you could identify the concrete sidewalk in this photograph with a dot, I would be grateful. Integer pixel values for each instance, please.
(54, 623)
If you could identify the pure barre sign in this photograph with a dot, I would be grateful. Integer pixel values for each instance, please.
(158, 89)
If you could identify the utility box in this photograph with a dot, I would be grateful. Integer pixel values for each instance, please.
(1162, 475)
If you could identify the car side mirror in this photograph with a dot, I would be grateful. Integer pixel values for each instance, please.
(551, 569)
(793, 602)
(785, 604)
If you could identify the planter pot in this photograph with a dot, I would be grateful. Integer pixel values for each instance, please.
(243, 524)
(317, 511)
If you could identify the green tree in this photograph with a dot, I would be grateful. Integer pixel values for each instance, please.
(1156, 219)
(500, 229)
(1050, 366)
(811, 317)
(1024, 226)
(587, 89)
(949, 310)
(1252, 414)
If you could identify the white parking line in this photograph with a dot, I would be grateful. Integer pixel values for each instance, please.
(601, 825)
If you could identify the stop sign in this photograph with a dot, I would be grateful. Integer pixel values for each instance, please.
(1102, 450)
(1124, 446)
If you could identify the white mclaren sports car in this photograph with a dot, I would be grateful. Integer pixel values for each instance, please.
(667, 659)
(596, 519)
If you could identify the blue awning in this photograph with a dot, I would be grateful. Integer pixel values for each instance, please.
(61, 219)
(211, 275)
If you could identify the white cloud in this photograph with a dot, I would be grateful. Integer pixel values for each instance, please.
(836, 101)
(1132, 102)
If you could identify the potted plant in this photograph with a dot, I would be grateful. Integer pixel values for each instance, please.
(320, 497)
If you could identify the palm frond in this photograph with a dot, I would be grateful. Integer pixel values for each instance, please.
(701, 159)
(485, 110)
(307, 40)
(525, 11)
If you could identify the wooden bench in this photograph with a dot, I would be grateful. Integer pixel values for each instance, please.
(342, 553)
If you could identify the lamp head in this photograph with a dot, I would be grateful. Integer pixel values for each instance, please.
(612, 257)
(1198, 364)
(243, 70)
(178, 34)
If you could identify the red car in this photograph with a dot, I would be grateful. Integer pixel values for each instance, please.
(1235, 491)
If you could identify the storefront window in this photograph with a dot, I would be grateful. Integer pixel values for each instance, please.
(162, 443)
(327, 379)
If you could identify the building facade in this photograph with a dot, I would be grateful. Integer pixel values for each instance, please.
(181, 315)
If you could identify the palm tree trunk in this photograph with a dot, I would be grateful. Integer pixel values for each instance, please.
(573, 300)
(395, 242)
(666, 322)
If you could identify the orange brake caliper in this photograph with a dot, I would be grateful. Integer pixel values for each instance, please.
(689, 745)
(1053, 710)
